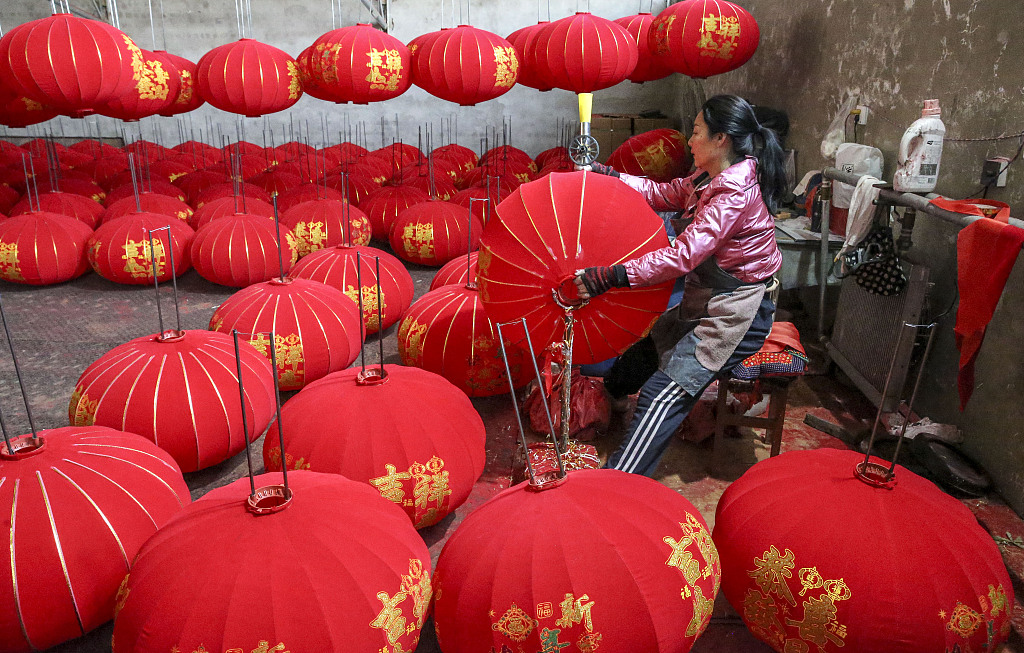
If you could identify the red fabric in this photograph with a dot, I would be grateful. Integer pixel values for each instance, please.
(443, 169)
(240, 250)
(225, 206)
(456, 272)
(986, 252)
(360, 64)
(814, 559)
(317, 224)
(433, 233)
(446, 331)
(443, 188)
(524, 41)
(119, 250)
(305, 193)
(547, 230)
(595, 563)
(310, 81)
(157, 82)
(356, 187)
(42, 248)
(310, 577)
(227, 189)
(105, 492)
(584, 53)
(464, 65)
(76, 206)
(153, 185)
(249, 78)
(77, 186)
(781, 336)
(187, 98)
(551, 155)
(648, 66)
(382, 207)
(482, 210)
(337, 267)
(659, 154)
(181, 394)
(701, 38)
(984, 208)
(589, 413)
(316, 327)
(196, 182)
(464, 158)
(19, 111)
(402, 437)
(150, 203)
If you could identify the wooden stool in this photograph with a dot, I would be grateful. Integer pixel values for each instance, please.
(777, 389)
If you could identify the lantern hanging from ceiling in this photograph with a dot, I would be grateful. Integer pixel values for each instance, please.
(241, 249)
(659, 154)
(68, 64)
(310, 81)
(603, 560)
(584, 53)
(434, 232)
(339, 267)
(157, 83)
(120, 251)
(799, 588)
(701, 38)
(464, 65)
(76, 206)
(335, 569)
(80, 502)
(41, 248)
(187, 98)
(175, 388)
(412, 435)
(317, 224)
(361, 64)
(524, 41)
(249, 78)
(648, 66)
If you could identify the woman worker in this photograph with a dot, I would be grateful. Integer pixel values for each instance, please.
(728, 255)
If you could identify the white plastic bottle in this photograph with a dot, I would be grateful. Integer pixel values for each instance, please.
(920, 152)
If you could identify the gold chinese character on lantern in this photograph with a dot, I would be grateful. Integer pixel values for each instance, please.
(718, 36)
(138, 258)
(385, 69)
(508, 66)
(10, 268)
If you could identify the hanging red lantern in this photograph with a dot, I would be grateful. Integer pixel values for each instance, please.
(361, 64)
(68, 64)
(80, 501)
(317, 224)
(157, 83)
(76, 206)
(240, 250)
(648, 66)
(310, 81)
(119, 250)
(660, 154)
(175, 389)
(464, 65)
(187, 98)
(446, 331)
(42, 248)
(299, 553)
(456, 272)
(337, 267)
(249, 78)
(412, 435)
(701, 38)
(306, 193)
(316, 327)
(603, 560)
(149, 203)
(800, 590)
(584, 53)
(19, 111)
(524, 41)
(225, 206)
(434, 232)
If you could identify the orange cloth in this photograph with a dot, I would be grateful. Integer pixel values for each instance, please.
(986, 252)
(782, 335)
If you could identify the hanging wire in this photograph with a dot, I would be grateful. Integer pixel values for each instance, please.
(163, 26)
(152, 25)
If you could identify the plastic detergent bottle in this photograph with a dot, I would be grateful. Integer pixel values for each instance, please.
(920, 152)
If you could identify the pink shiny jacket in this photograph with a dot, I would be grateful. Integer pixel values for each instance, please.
(730, 222)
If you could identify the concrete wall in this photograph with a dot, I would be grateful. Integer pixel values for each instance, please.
(893, 55)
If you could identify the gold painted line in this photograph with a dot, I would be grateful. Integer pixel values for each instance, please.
(120, 487)
(632, 252)
(14, 566)
(533, 223)
(191, 409)
(532, 273)
(60, 551)
(156, 395)
(216, 390)
(110, 527)
(155, 458)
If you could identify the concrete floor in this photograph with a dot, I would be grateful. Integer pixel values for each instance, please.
(60, 330)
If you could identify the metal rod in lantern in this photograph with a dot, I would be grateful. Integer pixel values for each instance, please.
(28, 183)
(277, 399)
(156, 273)
(346, 226)
(380, 316)
(248, 11)
(135, 182)
(245, 420)
(277, 227)
(569, 306)
(469, 247)
(17, 372)
(512, 393)
(362, 316)
(881, 404)
(917, 384)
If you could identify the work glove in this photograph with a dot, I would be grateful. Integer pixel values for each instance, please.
(594, 281)
(599, 169)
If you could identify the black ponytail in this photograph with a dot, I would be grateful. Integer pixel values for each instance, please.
(734, 117)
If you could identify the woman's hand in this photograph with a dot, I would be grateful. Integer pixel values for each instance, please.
(591, 282)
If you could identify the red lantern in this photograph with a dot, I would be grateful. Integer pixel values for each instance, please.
(604, 560)
(434, 232)
(68, 64)
(355, 187)
(446, 331)
(456, 272)
(243, 189)
(310, 81)
(317, 224)
(498, 156)
(442, 188)
(648, 67)
(120, 251)
(463, 158)
(19, 111)
(660, 154)
(157, 83)
(552, 154)
(361, 64)
(176, 389)
(248, 77)
(464, 65)
(69, 204)
(524, 41)
(701, 38)
(239, 250)
(799, 588)
(307, 579)
(316, 327)
(413, 436)
(42, 248)
(225, 206)
(187, 98)
(149, 203)
(150, 186)
(275, 181)
(336, 267)
(482, 210)
(306, 193)
(80, 502)
(81, 187)
(584, 53)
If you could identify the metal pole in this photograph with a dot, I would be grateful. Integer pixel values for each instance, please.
(156, 275)
(17, 372)
(362, 316)
(277, 398)
(515, 403)
(245, 421)
(825, 202)
(917, 384)
(277, 226)
(380, 318)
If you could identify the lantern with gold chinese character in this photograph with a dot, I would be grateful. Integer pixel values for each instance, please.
(337, 568)
(241, 249)
(20, 111)
(464, 65)
(79, 503)
(157, 83)
(224, 206)
(659, 154)
(317, 224)
(524, 40)
(433, 232)
(187, 98)
(150, 203)
(76, 206)
(648, 67)
(584, 53)
(412, 435)
(463, 158)
(348, 267)
(41, 248)
(701, 38)
(249, 78)
(602, 561)
(120, 250)
(820, 553)
(360, 64)
(316, 327)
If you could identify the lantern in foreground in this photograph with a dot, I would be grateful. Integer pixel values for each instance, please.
(360, 64)
(120, 250)
(660, 154)
(584, 53)
(410, 434)
(239, 250)
(174, 388)
(464, 65)
(799, 587)
(249, 78)
(337, 568)
(701, 38)
(602, 560)
(434, 232)
(43, 248)
(316, 327)
(80, 502)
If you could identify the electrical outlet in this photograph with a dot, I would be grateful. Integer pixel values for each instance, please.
(862, 117)
(993, 172)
